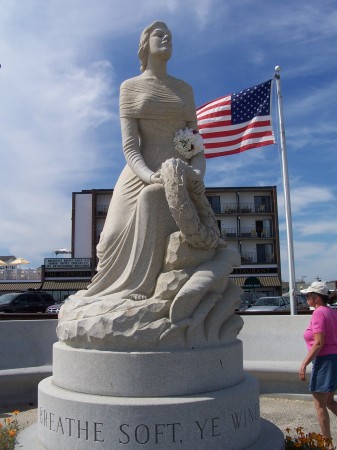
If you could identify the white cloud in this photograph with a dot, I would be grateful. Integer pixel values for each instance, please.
(303, 198)
(315, 103)
(51, 109)
(312, 259)
(319, 227)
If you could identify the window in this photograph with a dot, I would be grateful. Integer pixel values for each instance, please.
(265, 253)
(263, 228)
(262, 204)
(215, 203)
(21, 300)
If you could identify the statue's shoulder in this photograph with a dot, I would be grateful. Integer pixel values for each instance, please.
(182, 83)
(182, 86)
(179, 82)
(131, 83)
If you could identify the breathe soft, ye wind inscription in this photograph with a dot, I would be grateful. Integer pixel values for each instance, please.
(127, 434)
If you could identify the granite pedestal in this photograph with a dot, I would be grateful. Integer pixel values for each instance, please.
(195, 399)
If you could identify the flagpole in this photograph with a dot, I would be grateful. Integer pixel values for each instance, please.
(290, 246)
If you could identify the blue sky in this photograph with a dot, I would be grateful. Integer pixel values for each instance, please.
(64, 60)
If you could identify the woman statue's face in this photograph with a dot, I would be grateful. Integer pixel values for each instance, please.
(160, 42)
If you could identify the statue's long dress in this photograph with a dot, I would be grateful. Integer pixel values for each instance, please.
(133, 242)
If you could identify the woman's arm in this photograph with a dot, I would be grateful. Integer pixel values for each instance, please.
(198, 163)
(319, 340)
(133, 156)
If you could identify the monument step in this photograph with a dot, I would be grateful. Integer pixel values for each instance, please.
(147, 374)
(225, 419)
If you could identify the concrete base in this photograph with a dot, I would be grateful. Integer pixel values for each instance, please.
(270, 438)
(226, 419)
(196, 399)
(147, 374)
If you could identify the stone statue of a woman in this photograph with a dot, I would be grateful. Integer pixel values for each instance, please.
(160, 256)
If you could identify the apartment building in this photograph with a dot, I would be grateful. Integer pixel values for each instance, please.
(248, 221)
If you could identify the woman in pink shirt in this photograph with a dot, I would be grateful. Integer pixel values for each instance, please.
(321, 340)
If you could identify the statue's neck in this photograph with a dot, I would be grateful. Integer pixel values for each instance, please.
(156, 68)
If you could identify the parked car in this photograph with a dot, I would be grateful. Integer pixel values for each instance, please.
(25, 302)
(54, 309)
(333, 299)
(278, 303)
(302, 304)
(247, 299)
(301, 301)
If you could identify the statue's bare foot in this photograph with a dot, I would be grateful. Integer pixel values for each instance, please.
(138, 296)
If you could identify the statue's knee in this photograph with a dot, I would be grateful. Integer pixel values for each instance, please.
(152, 193)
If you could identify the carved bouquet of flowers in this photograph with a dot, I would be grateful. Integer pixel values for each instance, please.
(188, 143)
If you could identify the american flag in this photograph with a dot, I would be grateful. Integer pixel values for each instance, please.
(237, 122)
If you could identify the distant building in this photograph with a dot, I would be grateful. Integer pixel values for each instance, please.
(247, 219)
(13, 278)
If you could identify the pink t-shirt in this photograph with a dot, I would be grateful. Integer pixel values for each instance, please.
(323, 320)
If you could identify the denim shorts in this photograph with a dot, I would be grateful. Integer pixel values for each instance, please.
(324, 374)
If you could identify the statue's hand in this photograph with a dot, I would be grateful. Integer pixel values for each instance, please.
(156, 178)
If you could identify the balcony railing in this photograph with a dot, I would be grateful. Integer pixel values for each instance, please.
(242, 208)
(246, 232)
(102, 210)
(229, 208)
(252, 258)
(20, 274)
(229, 233)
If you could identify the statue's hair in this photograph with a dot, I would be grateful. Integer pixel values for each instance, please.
(144, 43)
